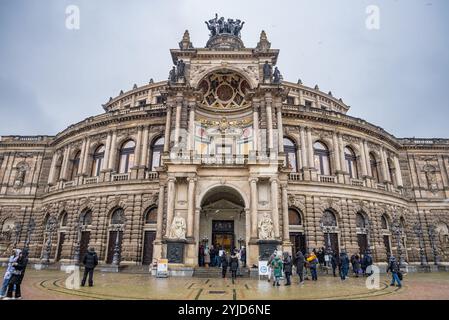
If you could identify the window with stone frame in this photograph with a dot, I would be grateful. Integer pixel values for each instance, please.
(151, 215)
(384, 222)
(126, 160)
(75, 165)
(118, 216)
(290, 154)
(360, 220)
(86, 218)
(351, 163)
(98, 159)
(374, 167)
(64, 219)
(329, 219)
(294, 217)
(157, 149)
(322, 158)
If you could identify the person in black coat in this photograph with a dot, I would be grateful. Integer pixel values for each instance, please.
(344, 265)
(17, 276)
(335, 263)
(233, 265)
(288, 268)
(224, 264)
(90, 261)
(300, 261)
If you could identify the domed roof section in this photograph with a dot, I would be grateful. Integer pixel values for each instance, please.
(224, 33)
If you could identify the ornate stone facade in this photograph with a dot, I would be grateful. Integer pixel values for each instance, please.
(224, 152)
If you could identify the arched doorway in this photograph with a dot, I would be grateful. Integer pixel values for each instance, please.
(222, 221)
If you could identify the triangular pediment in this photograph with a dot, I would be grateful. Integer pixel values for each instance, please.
(222, 204)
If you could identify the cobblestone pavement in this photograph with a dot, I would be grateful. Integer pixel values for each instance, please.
(51, 285)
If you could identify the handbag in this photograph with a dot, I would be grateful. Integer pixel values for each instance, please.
(400, 276)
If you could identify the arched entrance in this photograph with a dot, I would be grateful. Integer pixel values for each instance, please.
(222, 220)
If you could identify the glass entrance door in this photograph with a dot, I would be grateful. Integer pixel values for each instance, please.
(224, 240)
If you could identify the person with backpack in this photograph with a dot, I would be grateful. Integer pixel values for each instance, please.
(224, 264)
(17, 276)
(344, 265)
(300, 261)
(276, 266)
(234, 265)
(90, 261)
(396, 274)
(334, 263)
(288, 268)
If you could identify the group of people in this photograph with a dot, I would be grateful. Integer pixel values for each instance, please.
(281, 264)
(14, 274)
(211, 256)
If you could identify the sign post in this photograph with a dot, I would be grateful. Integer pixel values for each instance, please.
(264, 269)
(162, 268)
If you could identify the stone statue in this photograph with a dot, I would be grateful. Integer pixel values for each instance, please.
(178, 227)
(20, 176)
(267, 72)
(238, 27)
(266, 228)
(277, 77)
(219, 26)
(172, 75)
(181, 69)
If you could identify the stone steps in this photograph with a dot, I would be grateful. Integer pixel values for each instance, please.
(201, 272)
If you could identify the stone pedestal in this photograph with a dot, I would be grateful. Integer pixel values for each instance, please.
(175, 251)
(266, 248)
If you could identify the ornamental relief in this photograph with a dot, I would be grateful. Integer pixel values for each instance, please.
(350, 139)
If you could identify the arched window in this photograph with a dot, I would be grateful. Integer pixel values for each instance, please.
(384, 222)
(126, 157)
(374, 167)
(329, 219)
(290, 154)
(156, 153)
(118, 216)
(97, 162)
(360, 220)
(86, 218)
(322, 159)
(351, 163)
(75, 165)
(63, 219)
(392, 171)
(151, 215)
(294, 217)
(58, 168)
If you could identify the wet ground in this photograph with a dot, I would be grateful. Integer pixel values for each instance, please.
(57, 285)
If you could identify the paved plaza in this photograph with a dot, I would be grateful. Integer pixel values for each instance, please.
(51, 285)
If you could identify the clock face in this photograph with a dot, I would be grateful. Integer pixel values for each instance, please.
(224, 90)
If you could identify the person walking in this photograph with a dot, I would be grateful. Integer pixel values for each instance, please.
(357, 266)
(224, 264)
(17, 276)
(270, 260)
(9, 271)
(276, 265)
(313, 262)
(367, 262)
(243, 256)
(288, 268)
(207, 257)
(212, 255)
(201, 256)
(344, 265)
(234, 265)
(393, 266)
(334, 263)
(300, 260)
(90, 261)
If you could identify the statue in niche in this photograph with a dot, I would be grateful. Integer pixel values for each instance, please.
(267, 72)
(178, 227)
(431, 177)
(266, 228)
(20, 175)
(277, 77)
(442, 232)
(181, 69)
(172, 78)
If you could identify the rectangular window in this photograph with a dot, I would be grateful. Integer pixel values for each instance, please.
(156, 161)
(308, 103)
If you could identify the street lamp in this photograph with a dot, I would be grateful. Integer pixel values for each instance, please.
(397, 229)
(77, 249)
(51, 227)
(17, 232)
(327, 231)
(432, 236)
(240, 241)
(30, 230)
(117, 247)
(419, 233)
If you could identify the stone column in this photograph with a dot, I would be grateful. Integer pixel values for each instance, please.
(256, 125)
(301, 98)
(303, 148)
(254, 204)
(82, 157)
(337, 151)
(368, 164)
(363, 161)
(85, 169)
(191, 207)
(167, 129)
(384, 165)
(144, 157)
(138, 150)
(280, 127)
(286, 225)
(106, 152)
(342, 153)
(170, 203)
(160, 212)
(268, 101)
(397, 166)
(113, 151)
(178, 119)
(191, 142)
(310, 148)
(275, 206)
(65, 166)
(51, 175)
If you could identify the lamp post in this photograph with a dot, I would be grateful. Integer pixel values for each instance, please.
(51, 227)
(117, 247)
(76, 251)
(17, 232)
(397, 229)
(419, 233)
(432, 236)
(30, 230)
(327, 231)
(240, 241)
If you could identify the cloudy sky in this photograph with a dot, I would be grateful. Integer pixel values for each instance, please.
(395, 77)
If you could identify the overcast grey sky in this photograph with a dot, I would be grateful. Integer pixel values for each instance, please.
(395, 77)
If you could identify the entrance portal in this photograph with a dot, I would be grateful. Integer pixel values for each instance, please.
(222, 221)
